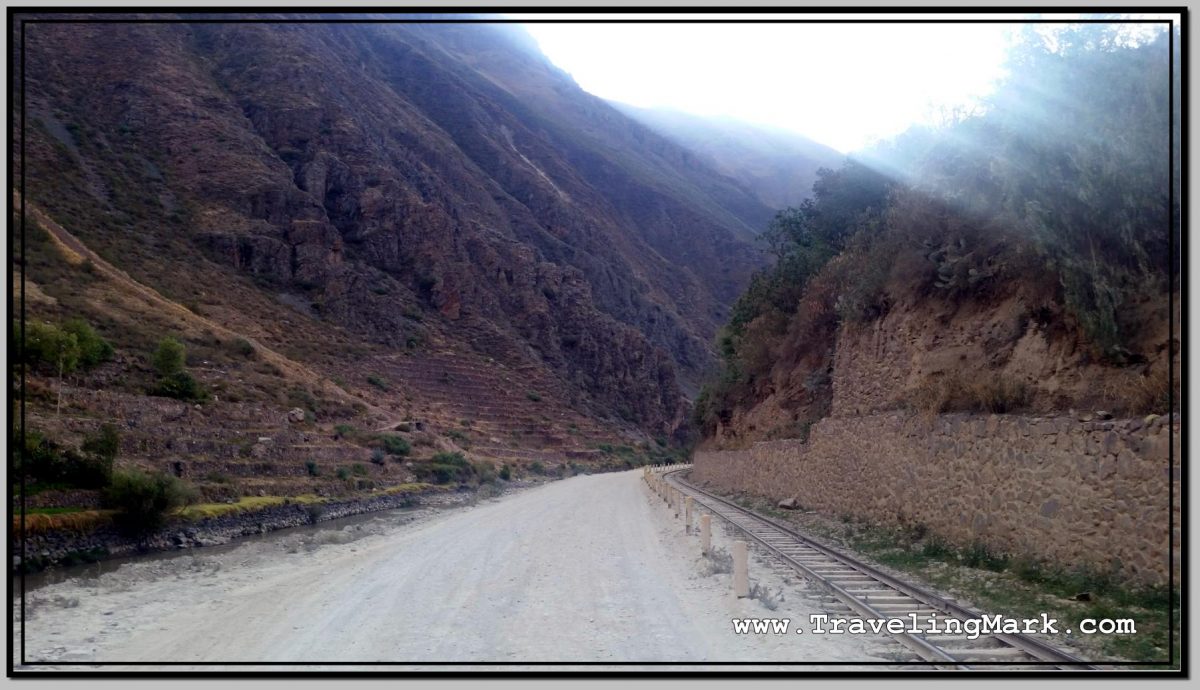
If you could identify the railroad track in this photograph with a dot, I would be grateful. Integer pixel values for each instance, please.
(872, 594)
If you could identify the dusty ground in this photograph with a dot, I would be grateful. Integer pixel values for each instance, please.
(591, 569)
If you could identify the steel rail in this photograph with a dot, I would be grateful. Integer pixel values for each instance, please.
(1036, 649)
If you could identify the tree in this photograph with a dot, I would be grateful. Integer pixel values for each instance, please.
(93, 349)
(168, 358)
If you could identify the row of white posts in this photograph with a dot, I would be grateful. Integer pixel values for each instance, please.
(682, 505)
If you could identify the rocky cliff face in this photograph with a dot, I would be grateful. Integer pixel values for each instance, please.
(411, 183)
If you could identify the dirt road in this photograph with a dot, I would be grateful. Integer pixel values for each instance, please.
(585, 569)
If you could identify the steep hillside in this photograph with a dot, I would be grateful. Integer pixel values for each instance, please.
(778, 166)
(366, 238)
(1015, 261)
(380, 173)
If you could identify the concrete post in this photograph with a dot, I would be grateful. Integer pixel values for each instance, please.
(705, 534)
(687, 515)
(741, 569)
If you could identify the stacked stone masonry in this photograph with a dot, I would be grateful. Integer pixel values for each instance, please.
(1059, 490)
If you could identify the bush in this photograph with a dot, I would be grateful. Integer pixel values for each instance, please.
(310, 466)
(378, 457)
(44, 462)
(343, 473)
(93, 349)
(181, 386)
(537, 468)
(104, 443)
(168, 358)
(49, 347)
(243, 347)
(378, 382)
(506, 473)
(395, 445)
(534, 396)
(444, 468)
(344, 430)
(143, 500)
(359, 469)
(958, 393)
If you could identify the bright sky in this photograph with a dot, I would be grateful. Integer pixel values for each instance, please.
(840, 84)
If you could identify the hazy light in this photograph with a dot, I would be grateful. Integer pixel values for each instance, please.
(841, 84)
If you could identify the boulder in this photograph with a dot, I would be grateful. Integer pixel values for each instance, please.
(295, 415)
(789, 503)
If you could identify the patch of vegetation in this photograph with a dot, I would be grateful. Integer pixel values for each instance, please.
(310, 466)
(245, 504)
(45, 462)
(534, 396)
(394, 445)
(174, 381)
(243, 348)
(1036, 189)
(459, 437)
(444, 468)
(378, 381)
(62, 350)
(143, 500)
(1020, 587)
(73, 521)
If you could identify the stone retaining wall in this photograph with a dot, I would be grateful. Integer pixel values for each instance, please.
(1059, 490)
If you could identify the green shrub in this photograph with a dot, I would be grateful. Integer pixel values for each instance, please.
(444, 468)
(358, 469)
(395, 445)
(343, 473)
(93, 349)
(344, 430)
(534, 396)
(506, 473)
(44, 462)
(104, 443)
(537, 468)
(377, 456)
(243, 347)
(168, 358)
(50, 348)
(378, 382)
(143, 500)
(310, 466)
(181, 386)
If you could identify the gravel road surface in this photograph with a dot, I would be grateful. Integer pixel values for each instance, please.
(591, 568)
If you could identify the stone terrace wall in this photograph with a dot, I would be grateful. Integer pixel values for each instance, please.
(1056, 489)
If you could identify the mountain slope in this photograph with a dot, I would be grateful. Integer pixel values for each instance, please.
(411, 184)
(778, 166)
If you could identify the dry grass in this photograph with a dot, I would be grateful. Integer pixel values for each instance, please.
(958, 393)
(1141, 393)
(246, 504)
(79, 522)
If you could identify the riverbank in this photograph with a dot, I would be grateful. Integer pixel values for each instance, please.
(59, 548)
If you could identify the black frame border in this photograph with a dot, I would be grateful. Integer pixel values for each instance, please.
(15, 17)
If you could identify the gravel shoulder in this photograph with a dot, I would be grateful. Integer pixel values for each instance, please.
(588, 569)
